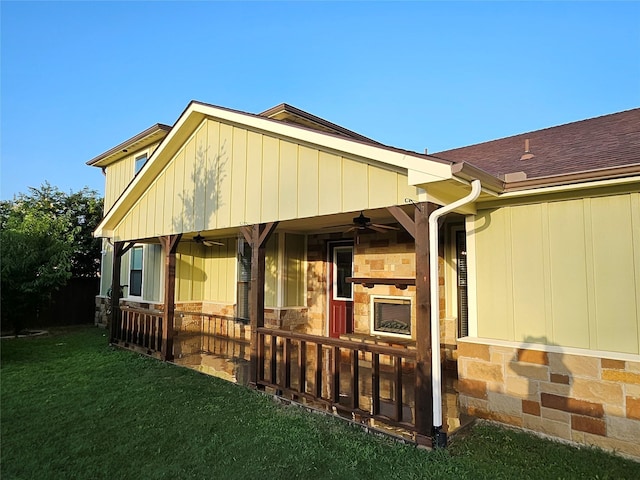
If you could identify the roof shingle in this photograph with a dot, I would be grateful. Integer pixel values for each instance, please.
(602, 142)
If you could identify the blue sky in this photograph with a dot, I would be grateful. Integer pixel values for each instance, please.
(77, 78)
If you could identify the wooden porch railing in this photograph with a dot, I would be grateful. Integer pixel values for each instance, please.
(140, 328)
(363, 379)
(218, 325)
(313, 368)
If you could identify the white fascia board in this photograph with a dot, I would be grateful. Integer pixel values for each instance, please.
(353, 147)
(635, 180)
(100, 232)
(144, 176)
(439, 173)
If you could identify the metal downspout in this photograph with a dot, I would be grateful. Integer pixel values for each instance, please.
(440, 437)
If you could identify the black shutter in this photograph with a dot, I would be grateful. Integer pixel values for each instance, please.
(461, 270)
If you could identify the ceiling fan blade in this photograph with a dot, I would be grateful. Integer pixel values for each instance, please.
(385, 227)
(211, 243)
(376, 228)
(351, 229)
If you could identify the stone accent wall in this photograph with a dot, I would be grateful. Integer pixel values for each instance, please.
(317, 283)
(389, 255)
(292, 318)
(585, 399)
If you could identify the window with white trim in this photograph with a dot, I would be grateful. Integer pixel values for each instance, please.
(139, 163)
(135, 272)
(285, 270)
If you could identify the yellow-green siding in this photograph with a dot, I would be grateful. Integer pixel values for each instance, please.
(272, 262)
(226, 176)
(119, 174)
(206, 273)
(562, 273)
(209, 273)
(294, 281)
(285, 270)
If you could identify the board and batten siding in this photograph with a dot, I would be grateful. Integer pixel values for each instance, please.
(226, 176)
(206, 273)
(561, 273)
(119, 174)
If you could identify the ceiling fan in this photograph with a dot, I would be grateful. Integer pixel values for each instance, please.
(362, 224)
(207, 243)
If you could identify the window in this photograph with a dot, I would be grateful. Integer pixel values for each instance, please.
(244, 279)
(140, 161)
(135, 275)
(285, 271)
(342, 269)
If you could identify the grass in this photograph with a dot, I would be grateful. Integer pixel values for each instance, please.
(74, 408)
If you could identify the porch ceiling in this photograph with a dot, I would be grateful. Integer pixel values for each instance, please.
(318, 225)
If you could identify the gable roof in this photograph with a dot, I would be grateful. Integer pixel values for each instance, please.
(418, 169)
(288, 113)
(593, 144)
(573, 155)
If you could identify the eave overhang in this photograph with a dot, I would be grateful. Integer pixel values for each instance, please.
(623, 173)
(498, 188)
(145, 138)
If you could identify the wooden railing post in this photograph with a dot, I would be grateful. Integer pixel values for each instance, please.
(423, 389)
(418, 228)
(328, 362)
(257, 237)
(169, 246)
(119, 249)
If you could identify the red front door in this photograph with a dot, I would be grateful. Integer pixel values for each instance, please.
(340, 292)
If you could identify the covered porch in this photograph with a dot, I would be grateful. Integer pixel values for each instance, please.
(345, 301)
(383, 381)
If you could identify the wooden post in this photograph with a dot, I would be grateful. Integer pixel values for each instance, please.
(423, 388)
(118, 250)
(257, 236)
(419, 230)
(169, 246)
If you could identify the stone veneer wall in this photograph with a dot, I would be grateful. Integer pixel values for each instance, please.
(389, 255)
(317, 283)
(591, 400)
(101, 319)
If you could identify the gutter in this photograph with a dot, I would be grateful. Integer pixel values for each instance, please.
(440, 437)
(468, 172)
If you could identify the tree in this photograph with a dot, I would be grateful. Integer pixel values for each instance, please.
(45, 239)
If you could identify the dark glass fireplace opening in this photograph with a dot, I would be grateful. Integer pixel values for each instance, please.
(392, 316)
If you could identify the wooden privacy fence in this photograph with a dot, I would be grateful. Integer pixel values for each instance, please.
(363, 379)
(140, 328)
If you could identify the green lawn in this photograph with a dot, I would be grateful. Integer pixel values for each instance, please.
(72, 407)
